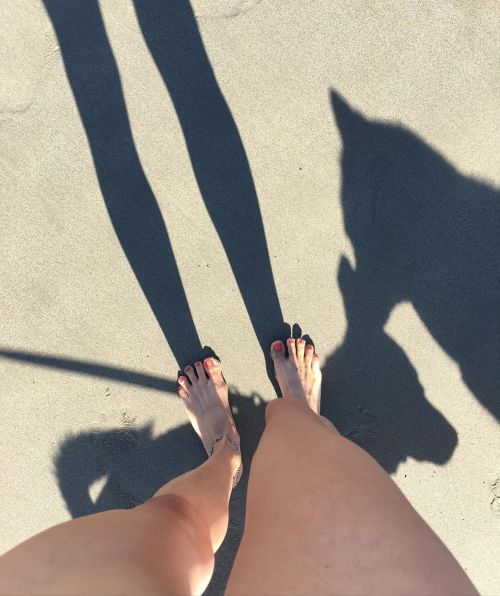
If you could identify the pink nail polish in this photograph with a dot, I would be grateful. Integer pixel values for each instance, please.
(301, 341)
(209, 362)
(182, 379)
(290, 340)
(278, 346)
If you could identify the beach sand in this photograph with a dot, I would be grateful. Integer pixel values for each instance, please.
(175, 181)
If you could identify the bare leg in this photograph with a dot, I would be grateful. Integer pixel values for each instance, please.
(165, 546)
(322, 515)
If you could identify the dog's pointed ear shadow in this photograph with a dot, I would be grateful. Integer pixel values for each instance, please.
(350, 122)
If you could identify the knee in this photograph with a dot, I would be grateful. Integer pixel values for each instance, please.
(179, 514)
(280, 407)
(286, 418)
(290, 411)
(178, 542)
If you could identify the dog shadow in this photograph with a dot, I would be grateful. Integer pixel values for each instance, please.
(422, 233)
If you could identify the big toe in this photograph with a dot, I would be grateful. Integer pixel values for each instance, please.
(214, 372)
(278, 356)
(277, 351)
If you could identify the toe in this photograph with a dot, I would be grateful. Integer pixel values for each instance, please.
(183, 394)
(278, 355)
(309, 355)
(213, 370)
(200, 371)
(316, 371)
(279, 360)
(300, 346)
(189, 370)
(315, 366)
(292, 352)
(277, 351)
(183, 388)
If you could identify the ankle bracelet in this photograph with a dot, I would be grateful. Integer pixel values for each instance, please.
(235, 445)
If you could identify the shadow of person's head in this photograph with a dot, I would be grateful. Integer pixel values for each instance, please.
(121, 467)
(130, 463)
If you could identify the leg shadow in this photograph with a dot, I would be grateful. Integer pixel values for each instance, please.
(93, 75)
(217, 155)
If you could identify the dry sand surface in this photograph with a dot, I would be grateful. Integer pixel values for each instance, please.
(174, 177)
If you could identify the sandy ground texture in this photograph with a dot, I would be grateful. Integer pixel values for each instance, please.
(182, 178)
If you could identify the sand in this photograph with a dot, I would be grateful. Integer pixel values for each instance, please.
(179, 180)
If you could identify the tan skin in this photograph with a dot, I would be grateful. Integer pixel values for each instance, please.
(322, 516)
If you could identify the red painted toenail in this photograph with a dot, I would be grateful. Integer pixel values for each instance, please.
(182, 379)
(310, 347)
(209, 362)
(290, 340)
(301, 341)
(278, 346)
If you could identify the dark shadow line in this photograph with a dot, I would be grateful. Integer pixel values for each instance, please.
(137, 220)
(218, 157)
(128, 376)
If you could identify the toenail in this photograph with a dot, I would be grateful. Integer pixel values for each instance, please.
(187, 368)
(290, 340)
(301, 341)
(278, 346)
(209, 362)
(310, 347)
(197, 364)
(182, 380)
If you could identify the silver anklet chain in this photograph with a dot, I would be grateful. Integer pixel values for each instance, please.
(237, 476)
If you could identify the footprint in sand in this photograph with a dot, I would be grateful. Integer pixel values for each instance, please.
(495, 489)
(222, 8)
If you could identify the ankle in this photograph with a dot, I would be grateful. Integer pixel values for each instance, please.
(226, 453)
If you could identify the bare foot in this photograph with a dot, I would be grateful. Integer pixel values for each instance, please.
(205, 397)
(298, 374)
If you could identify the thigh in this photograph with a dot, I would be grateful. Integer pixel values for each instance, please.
(324, 518)
(146, 550)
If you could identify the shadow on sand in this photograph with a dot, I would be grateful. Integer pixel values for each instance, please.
(422, 233)
(215, 148)
(132, 464)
